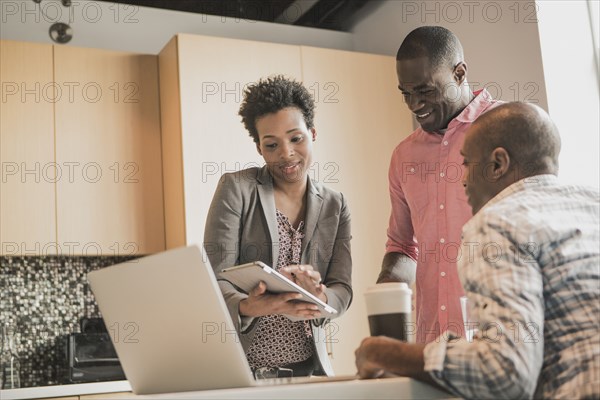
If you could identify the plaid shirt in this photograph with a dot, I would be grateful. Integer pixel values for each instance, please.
(530, 267)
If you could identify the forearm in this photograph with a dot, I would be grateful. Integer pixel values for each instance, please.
(339, 296)
(404, 359)
(382, 356)
(397, 267)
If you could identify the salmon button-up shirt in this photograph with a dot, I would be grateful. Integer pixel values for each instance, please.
(429, 209)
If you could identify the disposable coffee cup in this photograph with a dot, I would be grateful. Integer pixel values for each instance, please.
(389, 309)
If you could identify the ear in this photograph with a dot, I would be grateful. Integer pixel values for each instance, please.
(501, 162)
(313, 132)
(258, 149)
(460, 72)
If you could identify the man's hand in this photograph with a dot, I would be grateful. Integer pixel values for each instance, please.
(380, 356)
(260, 303)
(366, 355)
(370, 356)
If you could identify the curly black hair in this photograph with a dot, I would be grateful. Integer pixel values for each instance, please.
(271, 95)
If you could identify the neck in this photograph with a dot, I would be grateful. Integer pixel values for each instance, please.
(466, 97)
(291, 189)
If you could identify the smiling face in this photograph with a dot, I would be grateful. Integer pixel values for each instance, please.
(433, 94)
(285, 144)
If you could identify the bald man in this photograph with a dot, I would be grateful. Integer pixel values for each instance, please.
(530, 267)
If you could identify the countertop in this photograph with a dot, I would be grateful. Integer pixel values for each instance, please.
(390, 388)
(77, 389)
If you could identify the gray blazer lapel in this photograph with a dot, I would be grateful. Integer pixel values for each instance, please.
(267, 201)
(314, 201)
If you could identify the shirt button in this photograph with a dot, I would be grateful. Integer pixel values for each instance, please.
(443, 308)
(442, 240)
(445, 143)
(441, 206)
(442, 273)
(412, 170)
(442, 174)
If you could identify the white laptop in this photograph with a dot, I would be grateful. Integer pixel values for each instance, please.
(169, 323)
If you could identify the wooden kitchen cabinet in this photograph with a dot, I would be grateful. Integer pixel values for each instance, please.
(81, 152)
(202, 80)
(360, 118)
(108, 139)
(27, 188)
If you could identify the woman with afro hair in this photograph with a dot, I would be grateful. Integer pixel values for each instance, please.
(278, 215)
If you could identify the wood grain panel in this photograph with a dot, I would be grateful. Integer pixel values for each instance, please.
(27, 184)
(213, 73)
(170, 111)
(108, 140)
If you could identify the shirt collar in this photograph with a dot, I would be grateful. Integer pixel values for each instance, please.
(528, 183)
(518, 186)
(475, 108)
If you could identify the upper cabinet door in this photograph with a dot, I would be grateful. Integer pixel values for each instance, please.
(212, 73)
(27, 184)
(360, 119)
(109, 199)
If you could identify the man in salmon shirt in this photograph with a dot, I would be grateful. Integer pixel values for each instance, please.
(429, 206)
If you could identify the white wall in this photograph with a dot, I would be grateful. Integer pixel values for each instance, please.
(124, 27)
(572, 85)
(540, 51)
(500, 40)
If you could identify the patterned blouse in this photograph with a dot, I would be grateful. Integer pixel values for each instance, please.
(278, 340)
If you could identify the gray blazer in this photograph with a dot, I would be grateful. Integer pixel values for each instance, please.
(242, 227)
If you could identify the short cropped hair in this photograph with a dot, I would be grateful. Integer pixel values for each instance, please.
(438, 44)
(271, 95)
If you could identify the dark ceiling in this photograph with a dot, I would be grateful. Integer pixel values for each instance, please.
(339, 15)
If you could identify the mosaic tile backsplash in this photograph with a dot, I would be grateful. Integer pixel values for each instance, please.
(45, 298)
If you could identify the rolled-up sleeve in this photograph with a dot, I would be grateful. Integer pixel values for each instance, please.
(400, 231)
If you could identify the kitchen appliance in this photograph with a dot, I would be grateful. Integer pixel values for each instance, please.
(91, 356)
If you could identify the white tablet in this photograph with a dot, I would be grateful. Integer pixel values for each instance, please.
(247, 277)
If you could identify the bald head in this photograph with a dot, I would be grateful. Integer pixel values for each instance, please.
(504, 145)
(526, 132)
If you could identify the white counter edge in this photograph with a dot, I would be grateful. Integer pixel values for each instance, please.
(65, 390)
